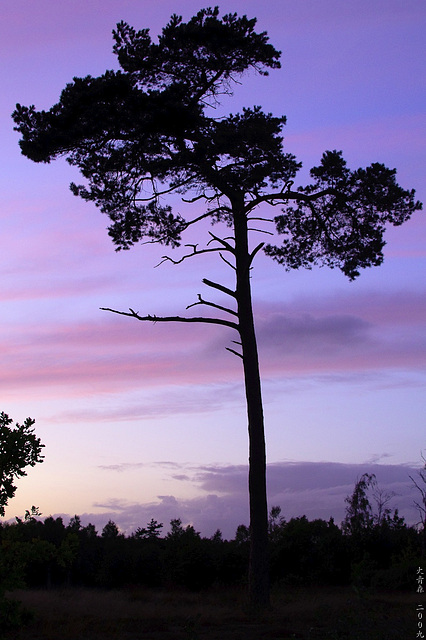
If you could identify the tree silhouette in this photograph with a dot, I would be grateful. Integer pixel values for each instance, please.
(148, 130)
(19, 448)
(110, 530)
(150, 532)
(419, 483)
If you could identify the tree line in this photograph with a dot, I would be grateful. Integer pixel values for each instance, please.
(372, 548)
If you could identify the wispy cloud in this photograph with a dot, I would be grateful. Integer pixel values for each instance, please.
(131, 466)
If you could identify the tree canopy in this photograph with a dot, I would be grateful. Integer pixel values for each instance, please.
(149, 129)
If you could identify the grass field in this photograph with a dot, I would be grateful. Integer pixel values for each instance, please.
(137, 614)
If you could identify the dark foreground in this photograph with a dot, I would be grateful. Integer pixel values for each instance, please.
(329, 614)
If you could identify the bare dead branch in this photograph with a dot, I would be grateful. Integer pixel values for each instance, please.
(269, 233)
(234, 352)
(223, 242)
(260, 219)
(255, 251)
(219, 287)
(227, 262)
(152, 318)
(195, 252)
(212, 304)
(188, 223)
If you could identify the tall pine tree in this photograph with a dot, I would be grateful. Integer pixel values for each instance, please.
(149, 130)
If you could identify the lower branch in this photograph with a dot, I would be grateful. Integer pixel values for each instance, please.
(149, 318)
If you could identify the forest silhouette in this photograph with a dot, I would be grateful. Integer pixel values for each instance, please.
(372, 547)
(373, 552)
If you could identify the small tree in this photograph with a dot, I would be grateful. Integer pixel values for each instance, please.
(150, 532)
(147, 131)
(382, 498)
(275, 523)
(359, 517)
(30, 515)
(19, 448)
(419, 483)
(111, 530)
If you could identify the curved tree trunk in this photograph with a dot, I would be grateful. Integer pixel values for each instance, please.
(259, 561)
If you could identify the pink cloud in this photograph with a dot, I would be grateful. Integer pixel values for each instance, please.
(114, 355)
(43, 289)
(120, 354)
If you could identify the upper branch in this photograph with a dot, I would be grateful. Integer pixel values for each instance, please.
(195, 252)
(283, 196)
(156, 194)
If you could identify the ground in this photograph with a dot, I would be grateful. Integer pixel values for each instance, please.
(138, 614)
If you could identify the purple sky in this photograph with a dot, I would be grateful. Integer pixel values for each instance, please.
(144, 421)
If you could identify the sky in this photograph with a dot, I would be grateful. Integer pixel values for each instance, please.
(145, 421)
